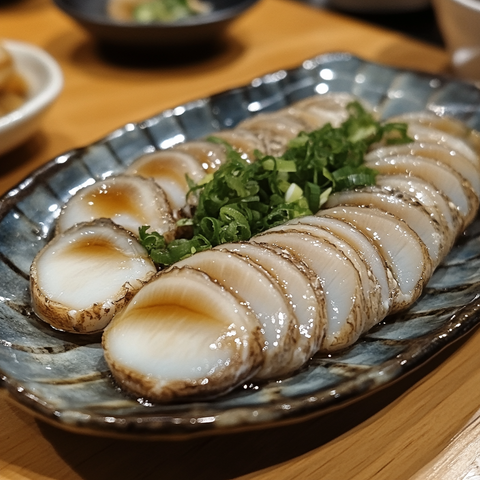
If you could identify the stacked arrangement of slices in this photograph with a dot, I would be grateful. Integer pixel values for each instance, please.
(258, 309)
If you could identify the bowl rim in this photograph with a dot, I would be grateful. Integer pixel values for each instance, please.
(215, 16)
(48, 91)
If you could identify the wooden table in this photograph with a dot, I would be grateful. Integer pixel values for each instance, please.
(390, 435)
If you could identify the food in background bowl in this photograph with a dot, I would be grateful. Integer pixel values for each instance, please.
(13, 88)
(148, 11)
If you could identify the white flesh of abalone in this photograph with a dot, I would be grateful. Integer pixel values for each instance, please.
(257, 289)
(277, 123)
(454, 160)
(241, 140)
(340, 281)
(329, 108)
(423, 133)
(310, 120)
(365, 249)
(402, 206)
(169, 168)
(301, 289)
(208, 154)
(435, 202)
(128, 200)
(405, 254)
(86, 275)
(182, 336)
(441, 176)
(443, 123)
(274, 131)
(370, 288)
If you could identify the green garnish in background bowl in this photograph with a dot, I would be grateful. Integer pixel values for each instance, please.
(168, 10)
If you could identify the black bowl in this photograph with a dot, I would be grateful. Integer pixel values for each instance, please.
(199, 29)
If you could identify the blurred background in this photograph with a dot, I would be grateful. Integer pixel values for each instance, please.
(415, 18)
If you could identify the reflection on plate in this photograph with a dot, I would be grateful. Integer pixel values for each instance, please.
(64, 379)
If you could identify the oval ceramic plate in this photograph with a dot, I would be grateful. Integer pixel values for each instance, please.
(64, 379)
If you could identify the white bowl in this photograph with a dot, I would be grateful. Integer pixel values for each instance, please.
(45, 82)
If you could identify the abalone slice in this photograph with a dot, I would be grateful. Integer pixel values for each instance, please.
(128, 200)
(301, 289)
(242, 141)
(367, 251)
(403, 206)
(444, 123)
(208, 154)
(404, 252)
(370, 288)
(83, 277)
(309, 120)
(441, 210)
(274, 130)
(169, 169)
(454, 160)
(183, 336)
(423, 133)
(257, 289)
(340, 281)
(328, 108)
(441, 176)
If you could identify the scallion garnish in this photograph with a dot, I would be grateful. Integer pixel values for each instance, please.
(243, 199)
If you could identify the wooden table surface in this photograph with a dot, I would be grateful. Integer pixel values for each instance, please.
(389, 435)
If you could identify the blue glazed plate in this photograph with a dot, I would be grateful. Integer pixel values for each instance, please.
(64, 379)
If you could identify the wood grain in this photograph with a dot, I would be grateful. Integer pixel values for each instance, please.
(460, 460)
(390, 435)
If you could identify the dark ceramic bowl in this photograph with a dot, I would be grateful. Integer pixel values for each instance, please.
(200, 29)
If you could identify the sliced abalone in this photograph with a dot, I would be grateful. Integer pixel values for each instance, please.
(328, 108)
(404, 252)
(256, 288)
(340, 281)
(367, 251)
(441, 210)
(422, 133)
(169, 169)
(444, 123)
(128, 200)
(441, 176)
(301, 288)
(274, 131)
(208, 154)
(454, 160)
(85, 276)
(370, 288)
(183, 336)
(242, 141)
(403, 206)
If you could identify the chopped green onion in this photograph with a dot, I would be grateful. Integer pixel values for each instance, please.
(324, 196)
(242, 199)
(293, 193)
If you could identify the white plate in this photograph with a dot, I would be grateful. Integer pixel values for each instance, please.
(45, 82)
